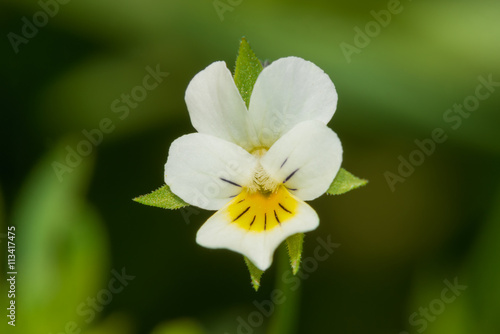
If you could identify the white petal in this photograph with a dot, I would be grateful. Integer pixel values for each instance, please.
(206, 171)
(216, 107)
(219, 231)
(305, 160)
(289, 91)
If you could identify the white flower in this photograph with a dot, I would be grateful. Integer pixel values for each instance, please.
(257, 166)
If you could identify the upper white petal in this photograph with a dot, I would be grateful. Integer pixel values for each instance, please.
(306, 159)
(216, 107)
(203, 170)
(219, 232)
(289, 91)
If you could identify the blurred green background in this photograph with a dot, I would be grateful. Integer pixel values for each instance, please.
(398, 246)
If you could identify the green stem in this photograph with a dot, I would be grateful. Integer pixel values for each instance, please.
(285, 317)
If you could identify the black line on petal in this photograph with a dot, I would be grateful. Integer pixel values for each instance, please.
(290, 176)
(240, 201)
(230, 182)
(241, 214)
(265, 221)
(277, 219)
(284, 162)
(281, 205)
(291, 189)
(252, 222)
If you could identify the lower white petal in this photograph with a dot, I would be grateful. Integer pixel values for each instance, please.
(255, 224)
(305, 160)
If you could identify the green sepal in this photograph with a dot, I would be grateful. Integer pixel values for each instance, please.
(162, 198)
(344, 182)
(248, 68)
(294, 244)
(255, 273)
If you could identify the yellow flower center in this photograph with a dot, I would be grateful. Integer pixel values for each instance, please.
(259, 211)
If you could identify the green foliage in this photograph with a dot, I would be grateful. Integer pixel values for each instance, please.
(116, 323)
(162, 198)
(61, 244)
(294, 245)
(248, 68)
(344, 182)
(431, 288)
(255, 273)
(484, 273)
(179, 326)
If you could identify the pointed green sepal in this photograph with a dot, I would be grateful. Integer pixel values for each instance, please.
(344, 182)
(162, 198)
(294, 244)
(248, 68)
(255, 273)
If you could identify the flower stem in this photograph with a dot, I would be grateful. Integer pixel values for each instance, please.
(287, 292)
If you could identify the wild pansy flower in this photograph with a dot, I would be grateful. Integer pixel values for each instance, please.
(263, 148)
(257, 166)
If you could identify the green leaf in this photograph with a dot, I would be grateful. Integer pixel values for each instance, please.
(344, 182)
(248, 68)
(294, 245)
(162, 198)
(255, 273)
